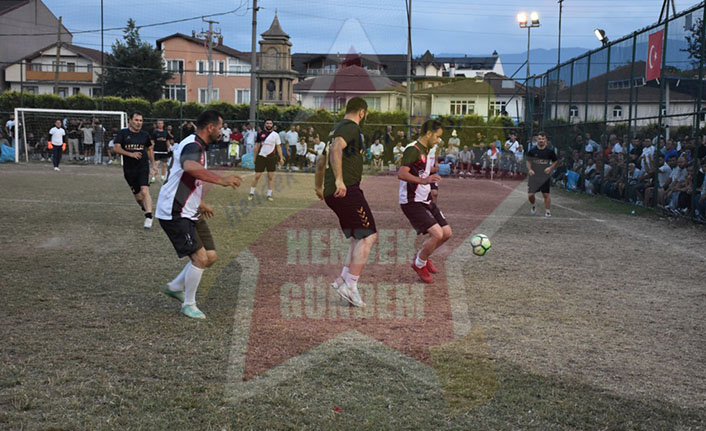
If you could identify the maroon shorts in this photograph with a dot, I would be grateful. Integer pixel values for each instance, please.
(353, 213)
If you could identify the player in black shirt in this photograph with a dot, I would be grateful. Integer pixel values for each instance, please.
(135, 146)
(541, 160)
(162, 149)
(337, 181)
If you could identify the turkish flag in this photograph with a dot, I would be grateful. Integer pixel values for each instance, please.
(654, 55)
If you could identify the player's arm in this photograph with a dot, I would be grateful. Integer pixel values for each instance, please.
(196, 170)
(256, 150)
(405, 175)
(319, 172)
(278, 147)
(118, 148)
(339, 144)
(529, 167)
(551, 167)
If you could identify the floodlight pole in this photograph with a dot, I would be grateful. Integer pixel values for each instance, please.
(253, 67)
(558, 58)
(410, 103)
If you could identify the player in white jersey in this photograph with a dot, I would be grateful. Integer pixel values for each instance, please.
(181, 210)
(268, 150)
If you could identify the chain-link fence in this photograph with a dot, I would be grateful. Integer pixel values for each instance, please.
(627, 118)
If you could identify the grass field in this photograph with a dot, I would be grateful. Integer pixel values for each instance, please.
(590, 320)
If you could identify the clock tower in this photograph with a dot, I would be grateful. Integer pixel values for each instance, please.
(275, 74)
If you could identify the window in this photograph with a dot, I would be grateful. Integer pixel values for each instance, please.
(62, 66)
(463, 107)
(242, 95)
(63, 92)
(175, 92)
(35, 67)
(237, 66)
(175, 66)
(71, 67)
(95, 92)
(89, 68)
(617, 111)
(573, 111)
(32, 89)
(319, 102)
(75, 91)
(203, 92)
(201, 67)
(495, 108)
(271, 89)
(400, 104)
(373, 103)
(221, 67)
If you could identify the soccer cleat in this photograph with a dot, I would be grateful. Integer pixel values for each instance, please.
(547, 213)
(423, 273)
(148, 223)
(335, 284)
(533, 210)
(431, 268)
(350, 295)
(57, 169)
(270, 198)
(176, 294)
(192, 311)
(251, 196)
(164, 178)
(152, 180)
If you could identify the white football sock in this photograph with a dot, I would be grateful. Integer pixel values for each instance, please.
(191, 284)
(177, 284)
(269, 192)
(352, 280)
(419, 262)
(252, 190)
(344, 272)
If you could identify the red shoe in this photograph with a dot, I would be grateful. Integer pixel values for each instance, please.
(431, 268)
(423, 274)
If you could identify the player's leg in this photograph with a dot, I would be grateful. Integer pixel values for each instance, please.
(530, 197)
(547, 202)
(270, 183)
(146, 200)
(259, 169)
(547, 199)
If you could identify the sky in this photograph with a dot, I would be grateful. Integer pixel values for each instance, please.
(473, 27)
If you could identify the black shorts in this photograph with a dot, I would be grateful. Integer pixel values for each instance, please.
(162, 156)
(188, 236)
(538, 184)
(353, 213)
(434, 186)
(137, 177)
(269, 163)
(422, 216)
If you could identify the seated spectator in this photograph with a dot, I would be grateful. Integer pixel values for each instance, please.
(465, 157)
(676, 183)
(397, 154)
(590, 175)
(377, 150)
(490, 158)
(662, 173)
(631, 186)
(669, 151)
(451, 156)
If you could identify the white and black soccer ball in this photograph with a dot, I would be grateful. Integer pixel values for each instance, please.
(480, 244)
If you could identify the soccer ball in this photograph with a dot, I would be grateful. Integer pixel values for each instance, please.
(480, 244)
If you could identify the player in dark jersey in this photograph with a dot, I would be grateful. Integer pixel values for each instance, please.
(337, 181)
(416, 176)
(135, 146)
(162, 147)
(541, 160)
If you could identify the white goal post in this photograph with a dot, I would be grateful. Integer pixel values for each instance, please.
(52, 115)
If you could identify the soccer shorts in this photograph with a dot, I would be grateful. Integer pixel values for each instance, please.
(188, 236)
(538, 184)
(268, 163)
(422, 216)
(161, 156)
(137, 177)
(353, 213)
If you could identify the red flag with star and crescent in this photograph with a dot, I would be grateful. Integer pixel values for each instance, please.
(654, 55)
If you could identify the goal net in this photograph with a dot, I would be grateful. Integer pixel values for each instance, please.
(87, 133)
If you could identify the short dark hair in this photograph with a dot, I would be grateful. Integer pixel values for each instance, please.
(136, 113)
(430, 126)
(355, 105)
(542, 134)
(269, 119)
(209, 116)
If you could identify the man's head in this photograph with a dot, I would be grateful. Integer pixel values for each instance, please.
(160, 124)
(431, 132)
(670, 144)
(613, 139)
(513, 136)
(631, 167)
(225, 125)
(541, 140)
(357, 109)
(208, 125)
(136, 121)
(57, 123)
(291, 127)
(672, 162)
(465, 147)
(269, 125)
(681, 162)
(12, 116)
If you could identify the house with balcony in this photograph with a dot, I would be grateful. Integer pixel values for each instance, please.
(79, 70)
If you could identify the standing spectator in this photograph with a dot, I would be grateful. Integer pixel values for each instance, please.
(87, 132)
(301, 153)
(377, 150)
(73, 131)
(591, 145)
(10, 129)
(226, 132)
(292, 139)
(57, 143)
(389, 144)
(98, 140)
(187, 129)
(454, 140)
(249, 138)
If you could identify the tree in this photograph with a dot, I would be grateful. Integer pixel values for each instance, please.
(693, 40)
(134, 68)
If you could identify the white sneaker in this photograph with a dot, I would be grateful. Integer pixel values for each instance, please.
(164, 178)
(148, 223)
(533, 210)
(57, 169)
(547, 213)
(350, 295)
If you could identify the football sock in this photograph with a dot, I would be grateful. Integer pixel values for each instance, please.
(344, 272)
(352, 280)
(252, 190)
(191, 284)
(269, 192)
(419, 262)
(148, 215)
(178, 283)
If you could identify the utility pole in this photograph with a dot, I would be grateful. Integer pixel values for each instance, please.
(408, 3)
(209, 36)
(102, 59)
(58, 59)
(253, 65)
(558, 59)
